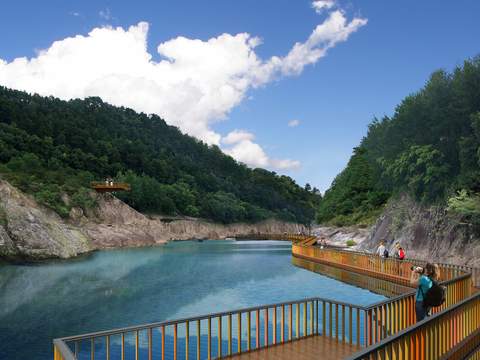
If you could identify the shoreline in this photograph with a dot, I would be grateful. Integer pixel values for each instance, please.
(33, 233)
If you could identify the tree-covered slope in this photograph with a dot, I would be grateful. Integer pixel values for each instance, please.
(52, 148)
(429, 148)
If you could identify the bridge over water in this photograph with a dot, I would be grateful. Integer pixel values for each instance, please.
(315, 327)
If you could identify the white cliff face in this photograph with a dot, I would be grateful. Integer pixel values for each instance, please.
(30, 231)
(339, 236)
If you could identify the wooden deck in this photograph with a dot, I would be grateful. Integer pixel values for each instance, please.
(315, 347)
(103, 187)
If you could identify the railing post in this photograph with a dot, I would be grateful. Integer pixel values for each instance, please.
(56, 354)
(274, 327)
(219, 338)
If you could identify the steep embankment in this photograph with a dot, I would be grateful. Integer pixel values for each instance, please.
(31, 231)
(426, 232)
(119, 225)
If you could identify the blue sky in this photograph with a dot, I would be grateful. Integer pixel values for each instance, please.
(334, 98)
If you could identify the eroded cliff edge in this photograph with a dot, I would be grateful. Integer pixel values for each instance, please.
(32, 232)
(426, 232)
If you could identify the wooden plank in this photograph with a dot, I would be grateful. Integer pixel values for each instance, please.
(313, 347)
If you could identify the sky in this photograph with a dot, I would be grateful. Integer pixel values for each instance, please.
(288, 85)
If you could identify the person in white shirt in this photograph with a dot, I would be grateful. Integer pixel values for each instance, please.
(381, 249)
(381, 252)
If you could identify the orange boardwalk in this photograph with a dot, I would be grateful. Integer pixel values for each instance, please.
(315, 347)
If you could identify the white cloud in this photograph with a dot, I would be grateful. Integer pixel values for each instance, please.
(294, 123)
(285, 164)
(245, 150)
(249, 153)
(236, 136)
(195, 84)
(321, 5)
(105, 14)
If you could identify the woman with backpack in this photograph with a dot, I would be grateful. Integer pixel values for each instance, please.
(425, 279)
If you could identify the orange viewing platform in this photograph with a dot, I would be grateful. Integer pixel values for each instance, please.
(105, 186)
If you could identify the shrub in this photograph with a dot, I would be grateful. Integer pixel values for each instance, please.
(466, 205)
(83, 199)
(351, 243)
(50, 196)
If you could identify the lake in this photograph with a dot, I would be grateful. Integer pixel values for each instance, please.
(118, 288)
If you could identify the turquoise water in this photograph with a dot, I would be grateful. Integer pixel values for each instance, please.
(118, 288)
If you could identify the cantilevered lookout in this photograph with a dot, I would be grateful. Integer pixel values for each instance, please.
(109, 186)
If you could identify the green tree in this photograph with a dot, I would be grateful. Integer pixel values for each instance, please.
(421, 170)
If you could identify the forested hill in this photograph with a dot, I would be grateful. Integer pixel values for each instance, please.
(53, 149)
(429, 148)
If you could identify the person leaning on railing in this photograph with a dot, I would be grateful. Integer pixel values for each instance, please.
(423, 278)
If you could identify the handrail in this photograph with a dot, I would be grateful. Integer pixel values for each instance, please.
(405, 295)
(466, 268)
(421, 325)
(62, 351)
(201, 317)
(289, 321)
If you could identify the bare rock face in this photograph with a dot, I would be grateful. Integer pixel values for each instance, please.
(428, 233)
(115, 224)
(7, 247)
(30, 231)
(339, 236)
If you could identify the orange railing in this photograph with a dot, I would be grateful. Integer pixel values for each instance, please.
(451, 334)
(220, 335)
(395, 315)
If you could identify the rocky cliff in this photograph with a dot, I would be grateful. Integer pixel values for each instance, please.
(30, 231)
(339, 236)
(116, 224)
(428, 233)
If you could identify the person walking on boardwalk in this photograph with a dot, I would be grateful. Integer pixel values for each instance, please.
(381, 250)
(383, 253)
(399, 252)
(423, 278)
(399, 255)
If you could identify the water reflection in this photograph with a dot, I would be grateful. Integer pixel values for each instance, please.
(376, 285)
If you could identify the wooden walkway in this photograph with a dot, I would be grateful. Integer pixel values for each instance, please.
(314, 347)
